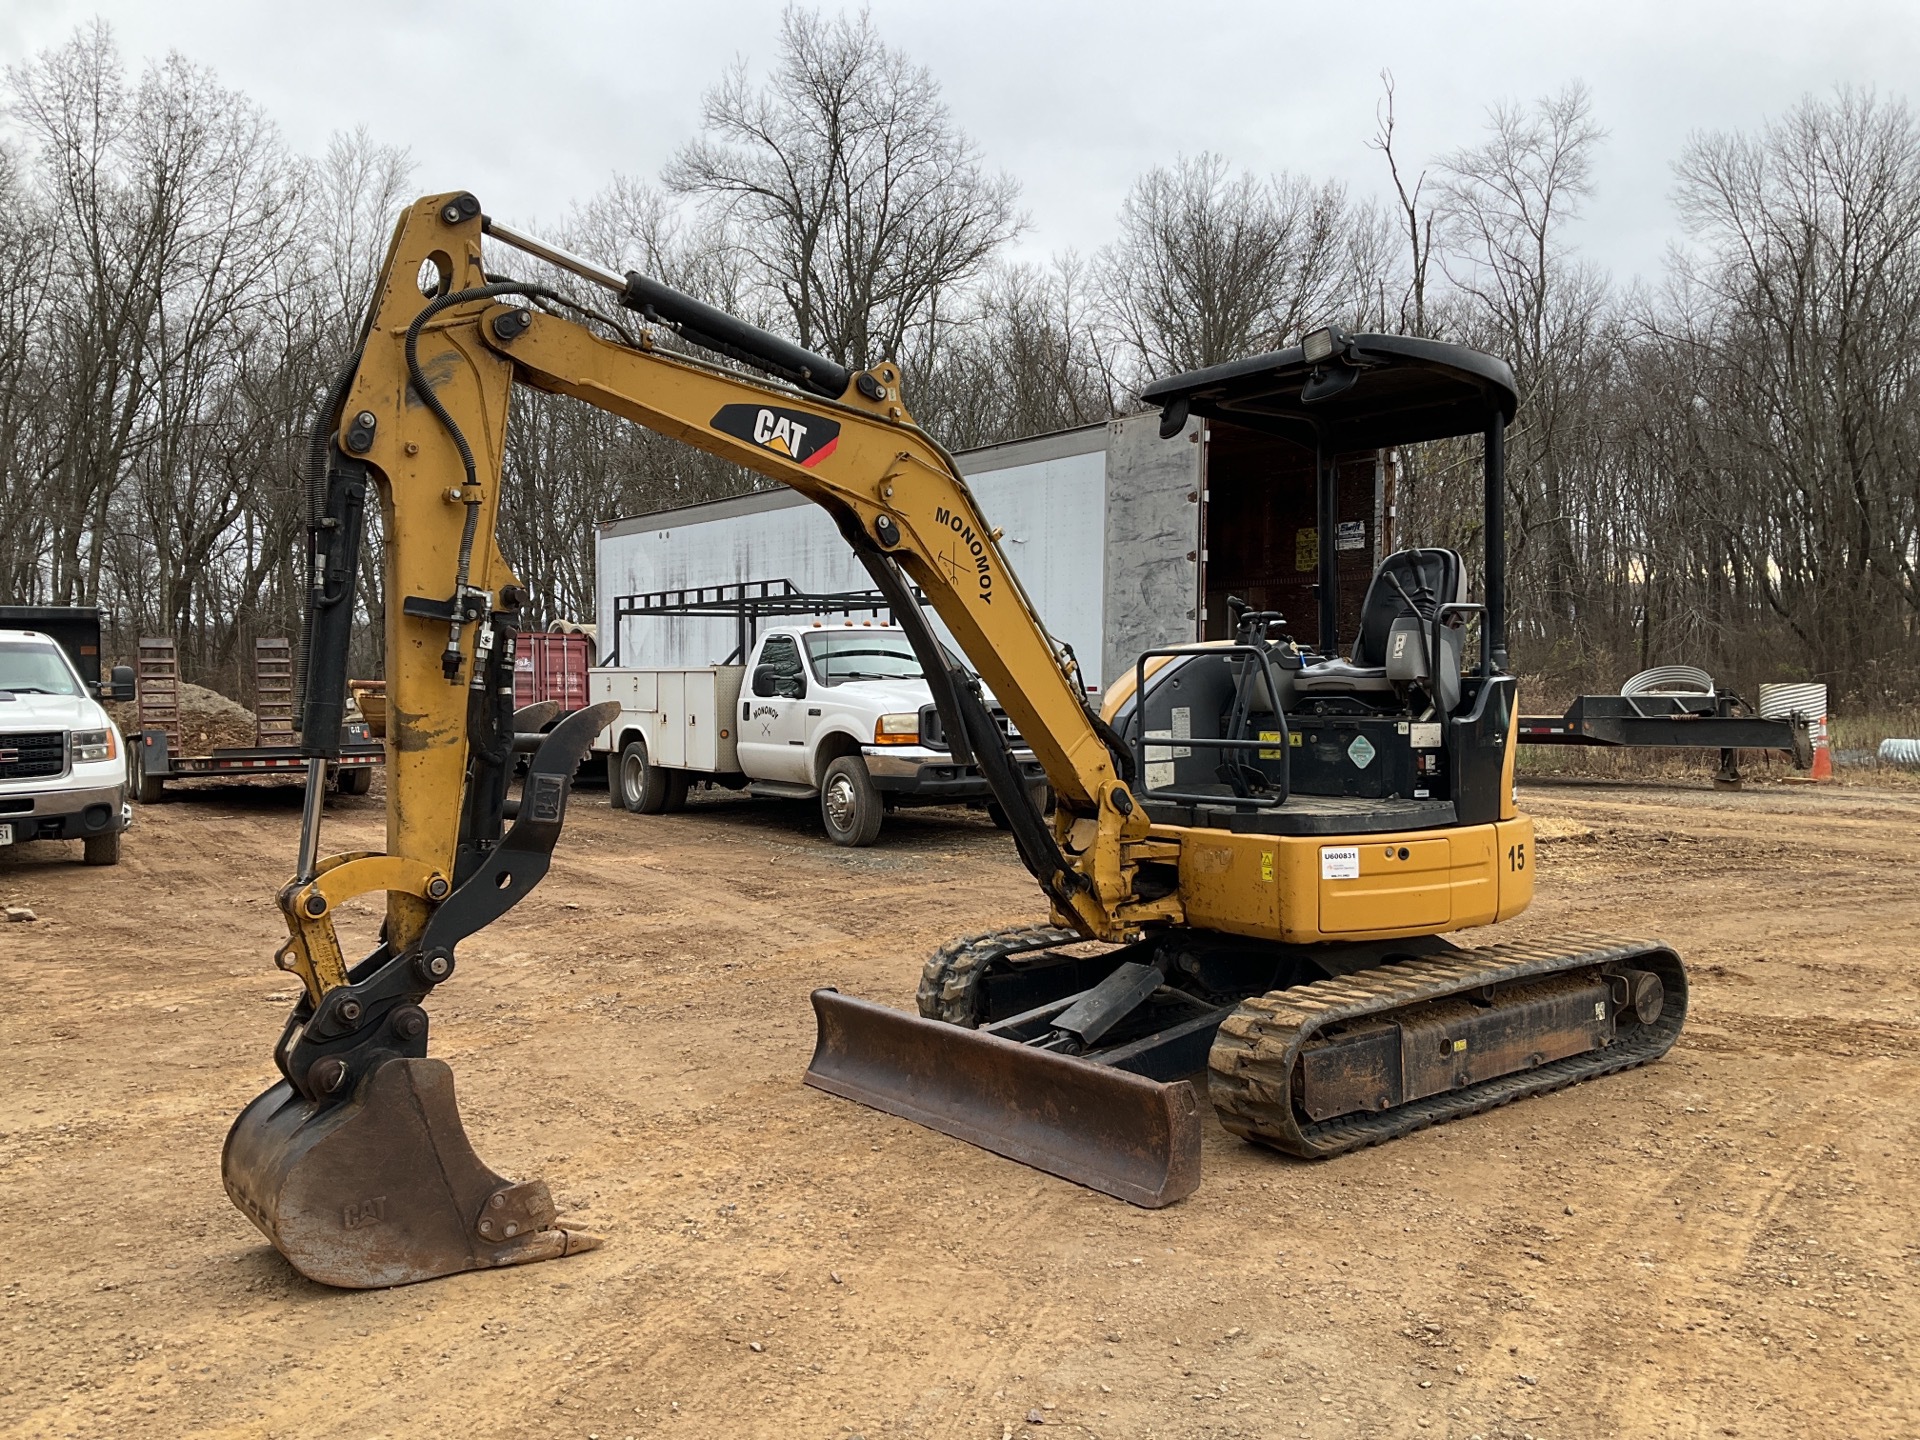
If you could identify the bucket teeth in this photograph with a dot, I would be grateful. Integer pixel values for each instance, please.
(384, 1188)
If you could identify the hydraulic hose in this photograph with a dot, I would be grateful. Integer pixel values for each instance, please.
(417, 381)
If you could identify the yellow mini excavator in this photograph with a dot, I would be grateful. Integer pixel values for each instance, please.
(1253, 854)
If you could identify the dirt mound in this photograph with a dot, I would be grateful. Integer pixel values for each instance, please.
(208, 720)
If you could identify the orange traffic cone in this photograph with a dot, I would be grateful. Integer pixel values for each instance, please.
(1822, 752)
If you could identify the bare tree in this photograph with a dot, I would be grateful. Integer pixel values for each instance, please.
(1808, 256)
(569, 465)
(26, 251)
(1025, 360)
(1504, 207)
(73, 104)
(1415, 220)
(354, 190)
(1210, 266)
(856, 203)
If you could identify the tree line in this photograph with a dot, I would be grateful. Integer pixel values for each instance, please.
(1715, 466)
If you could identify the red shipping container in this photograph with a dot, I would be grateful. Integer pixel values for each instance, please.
(549, 665)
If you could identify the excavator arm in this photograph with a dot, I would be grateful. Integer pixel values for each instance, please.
(329, 1162)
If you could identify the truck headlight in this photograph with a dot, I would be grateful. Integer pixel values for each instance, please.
(92, 745)
(902, 728)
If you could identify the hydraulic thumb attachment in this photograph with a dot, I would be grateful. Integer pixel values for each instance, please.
(355, 1165)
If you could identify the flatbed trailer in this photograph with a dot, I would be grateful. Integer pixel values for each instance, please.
(159, 755)
(1673, 721)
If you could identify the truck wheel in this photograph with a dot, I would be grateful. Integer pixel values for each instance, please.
(849, 803)
(147, 789)
(102, 849)
(1039, 795)
(357, 781)
(643, 787)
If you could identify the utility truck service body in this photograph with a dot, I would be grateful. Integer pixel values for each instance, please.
(828, 709)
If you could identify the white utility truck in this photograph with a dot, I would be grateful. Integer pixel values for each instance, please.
(63, 762)
(830, 709)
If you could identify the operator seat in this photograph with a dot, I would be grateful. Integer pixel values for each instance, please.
(1396, 620)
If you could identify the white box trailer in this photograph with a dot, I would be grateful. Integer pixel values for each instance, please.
(1123, 540)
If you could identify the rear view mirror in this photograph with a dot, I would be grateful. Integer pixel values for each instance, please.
(120, 686)
(766, 681)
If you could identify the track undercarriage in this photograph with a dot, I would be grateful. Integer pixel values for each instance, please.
(1081, 1059)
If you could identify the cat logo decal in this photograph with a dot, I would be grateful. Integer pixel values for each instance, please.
(794, 435)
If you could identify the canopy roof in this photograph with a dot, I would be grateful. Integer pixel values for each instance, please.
(1371, 391)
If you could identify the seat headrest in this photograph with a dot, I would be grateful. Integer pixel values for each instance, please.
(1429, 579)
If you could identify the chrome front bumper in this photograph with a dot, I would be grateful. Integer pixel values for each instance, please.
(915, 770)
(66, 814)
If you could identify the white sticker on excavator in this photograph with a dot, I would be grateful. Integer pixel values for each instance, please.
(1339, 862)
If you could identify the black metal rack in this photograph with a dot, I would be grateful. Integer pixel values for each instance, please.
(1694, 722)
(746, 603)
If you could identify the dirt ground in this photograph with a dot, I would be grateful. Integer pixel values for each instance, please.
(1720, 1244)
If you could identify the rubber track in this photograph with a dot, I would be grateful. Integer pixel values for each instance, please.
(1250, 1069)
(950, 985)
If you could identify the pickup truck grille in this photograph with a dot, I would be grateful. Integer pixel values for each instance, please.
(31, 755)
(933, 730)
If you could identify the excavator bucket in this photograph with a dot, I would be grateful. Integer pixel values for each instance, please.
(384, 1188)
(381, 1186)
(1108, 1129)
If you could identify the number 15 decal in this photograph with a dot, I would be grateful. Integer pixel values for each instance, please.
(1517, 856)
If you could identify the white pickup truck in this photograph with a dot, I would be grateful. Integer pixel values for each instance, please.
(63, 762)
(833, 710)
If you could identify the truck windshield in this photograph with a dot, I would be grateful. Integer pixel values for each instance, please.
(840, 655)
(32, 667)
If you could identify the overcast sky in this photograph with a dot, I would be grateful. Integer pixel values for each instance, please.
(535, 103)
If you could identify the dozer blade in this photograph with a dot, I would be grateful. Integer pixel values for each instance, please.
(1111, 1130)
(384, 1188)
